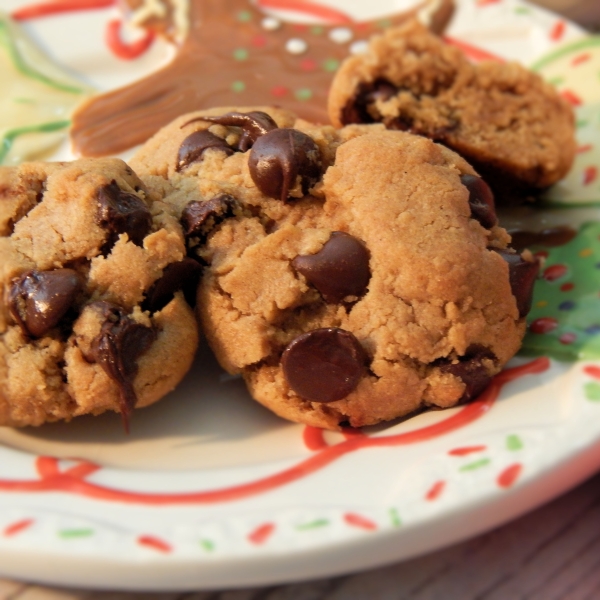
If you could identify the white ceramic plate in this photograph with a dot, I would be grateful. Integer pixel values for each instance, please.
(210, 490)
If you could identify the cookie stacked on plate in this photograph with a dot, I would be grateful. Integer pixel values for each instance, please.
(513, 127)
(351, 275)
(92, 317)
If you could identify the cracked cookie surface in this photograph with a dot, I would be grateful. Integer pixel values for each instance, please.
(91, 317)
(505, 120)
(356, 284)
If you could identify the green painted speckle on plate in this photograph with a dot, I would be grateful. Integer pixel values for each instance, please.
(483, 462)
(208, 545)
(395, 517)
(68, 534)
(238, 87)
(317, 30)
(313, 524)
(592, 391)
(513, 443)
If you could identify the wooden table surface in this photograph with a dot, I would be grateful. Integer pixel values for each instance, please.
(552, 553)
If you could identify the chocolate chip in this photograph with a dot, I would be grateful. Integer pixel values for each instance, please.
(279, 158)
(470, 369)
(356, 110)
(324, 365)
(193, 146)
(254, 124)
(198, 219)
(551, 237)
(38, 300)
(116, 349)
(481, 200)
(121, 212)
(182, 275)
(522, 275)
(339, 269)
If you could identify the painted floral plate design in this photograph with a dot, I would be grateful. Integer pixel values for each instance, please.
(210, 490)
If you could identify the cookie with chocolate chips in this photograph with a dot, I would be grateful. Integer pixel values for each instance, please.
(93, 281)
(506, 121)
(352, 277)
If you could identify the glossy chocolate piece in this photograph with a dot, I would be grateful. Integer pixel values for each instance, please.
(481, 200)
(470, 369)
(324, 365)
(183, 275)
(339, 269)
(356, 110)
(198, 219)
(522, 275)
(279, 158)
(122, 212)
(116, 349)
(38, 300)
(254, 124)
(551, 237)
(194, 145)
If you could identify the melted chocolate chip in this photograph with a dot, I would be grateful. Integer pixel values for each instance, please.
(254, 124)
(183, 275)
(279, 158)
(481, 200)
(193, 146)
(121, 212)
(339, 269)
(551, 237)
(198, 219)
(470, 369)
(116, 349)
(38, 300)
(324, 365)
(522, 275)
(356, 110)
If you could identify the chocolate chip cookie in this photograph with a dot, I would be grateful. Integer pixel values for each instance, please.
(93, 274)
(352, 276)
(505, 120)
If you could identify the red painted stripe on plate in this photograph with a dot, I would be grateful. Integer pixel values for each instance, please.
(584, 148)
(592, 371)
(580, 59)
(464, 450)
(590, 174)
(356, 520)
(435, 491)
(17, 527)
(154, 543)
(473, 52)
(44, 9)
(557, 31)
(313, 438)
(309, 8)
(508, 477)
(571, 97)
(261, 534)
